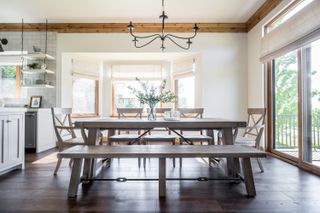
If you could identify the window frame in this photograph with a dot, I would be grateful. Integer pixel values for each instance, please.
(18, 80)
(87, 115)
(176, 79)
(284, 12)
(299, 162)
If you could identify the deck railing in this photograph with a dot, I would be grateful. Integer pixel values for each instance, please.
(286, 131)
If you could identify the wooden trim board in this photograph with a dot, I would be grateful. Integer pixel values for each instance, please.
(262, 12)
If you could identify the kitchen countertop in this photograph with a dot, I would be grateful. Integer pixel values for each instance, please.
(21, 109)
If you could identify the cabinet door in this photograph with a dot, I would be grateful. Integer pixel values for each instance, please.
(15, 138)
(3, 140)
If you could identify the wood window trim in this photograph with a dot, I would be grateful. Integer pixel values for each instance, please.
(90, 115)
(176, 78)
(18, 81)
(285, 11)
(269, 136)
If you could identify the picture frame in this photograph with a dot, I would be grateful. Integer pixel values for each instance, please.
(35, 101)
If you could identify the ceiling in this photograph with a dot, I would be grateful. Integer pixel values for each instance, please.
(118, 11)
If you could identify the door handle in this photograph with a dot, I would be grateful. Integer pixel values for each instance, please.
(8, 121)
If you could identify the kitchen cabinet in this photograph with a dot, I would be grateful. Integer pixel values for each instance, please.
(11, 141)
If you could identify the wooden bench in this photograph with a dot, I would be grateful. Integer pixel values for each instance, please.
(80, 152)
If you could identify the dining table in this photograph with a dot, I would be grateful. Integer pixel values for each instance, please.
(91, 130)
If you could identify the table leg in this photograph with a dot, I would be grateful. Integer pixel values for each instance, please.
(232, 163)
(248, 177)
(89, 168)
(162, 177)
(75, 177)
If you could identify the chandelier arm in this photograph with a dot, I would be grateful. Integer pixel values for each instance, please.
(180, 37)
(173, 41)
(143, 37)
(149, 42)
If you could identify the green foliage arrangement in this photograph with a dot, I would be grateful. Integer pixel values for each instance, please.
(151, 95)
(8, 72)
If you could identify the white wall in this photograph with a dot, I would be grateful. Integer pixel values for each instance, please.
(223, 66)
(255, 67)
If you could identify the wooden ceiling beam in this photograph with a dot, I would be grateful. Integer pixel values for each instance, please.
(262, 12)
(122, 27)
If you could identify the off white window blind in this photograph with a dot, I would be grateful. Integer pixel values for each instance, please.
(146, 72)
(298, 31)
(184, 67)
(89, 69)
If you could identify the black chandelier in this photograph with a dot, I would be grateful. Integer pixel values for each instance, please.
(163, 36)
(3, 41)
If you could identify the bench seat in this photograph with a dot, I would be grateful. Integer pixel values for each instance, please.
(80, 152)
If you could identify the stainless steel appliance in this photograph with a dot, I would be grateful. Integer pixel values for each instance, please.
(31, 131)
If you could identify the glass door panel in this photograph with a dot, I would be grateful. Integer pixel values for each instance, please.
(285, 104)
(311, 103)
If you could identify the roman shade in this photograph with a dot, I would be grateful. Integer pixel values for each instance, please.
(183, 66)
(141, 71)
(300, 30)
(89, 69)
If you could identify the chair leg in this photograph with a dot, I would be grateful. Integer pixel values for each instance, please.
(181, 142)
(260, 165)
(57, 166)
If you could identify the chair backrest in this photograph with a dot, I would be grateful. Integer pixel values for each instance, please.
(129, 112)
(191, 112)
(160, 111)
(62, 123)
(255, 124)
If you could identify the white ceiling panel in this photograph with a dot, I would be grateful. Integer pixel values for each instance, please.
(108, 11)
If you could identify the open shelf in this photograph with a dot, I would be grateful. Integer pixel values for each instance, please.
(38, 56)
(38, 86)
(37, 71)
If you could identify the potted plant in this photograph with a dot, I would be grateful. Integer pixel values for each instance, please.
(150, 95)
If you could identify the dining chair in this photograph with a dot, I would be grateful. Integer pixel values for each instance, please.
(65, 131)
(127, 135)
(193, 135)
(253, 131)
(160, 135)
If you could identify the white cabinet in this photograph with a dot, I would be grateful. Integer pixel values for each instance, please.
(46, 138)
(11, 141)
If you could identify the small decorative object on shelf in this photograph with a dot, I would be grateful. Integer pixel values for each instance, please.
(36, 49)
(34, 66)
(151, 96)
(35, 101)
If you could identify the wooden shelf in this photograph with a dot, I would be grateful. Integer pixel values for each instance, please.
(38, 56)
(38, 86)
(37, 71)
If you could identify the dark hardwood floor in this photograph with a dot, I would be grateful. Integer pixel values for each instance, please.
(281, 188)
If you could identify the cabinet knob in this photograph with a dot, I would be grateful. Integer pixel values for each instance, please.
(8, 121)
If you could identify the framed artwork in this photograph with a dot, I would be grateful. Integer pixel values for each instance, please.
(35, 101)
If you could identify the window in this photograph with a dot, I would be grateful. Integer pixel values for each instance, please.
(293, 8)
(296, 106)
(124, 76)
(184, 89)
(85, 97)
(9, 81)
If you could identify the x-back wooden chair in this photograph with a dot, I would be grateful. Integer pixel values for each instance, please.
(160, 135)
(196, 134)
(128, 136)
(64, 130)
(253, 132)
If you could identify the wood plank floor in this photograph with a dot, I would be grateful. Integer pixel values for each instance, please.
(281, 188)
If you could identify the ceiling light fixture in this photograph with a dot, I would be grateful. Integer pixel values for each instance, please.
(163, 36)
(3, 41)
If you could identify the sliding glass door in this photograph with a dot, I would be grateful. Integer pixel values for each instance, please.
(295, 106)
(285, 104)
(311, 103)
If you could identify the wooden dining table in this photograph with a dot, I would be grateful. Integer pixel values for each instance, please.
(93, 126)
